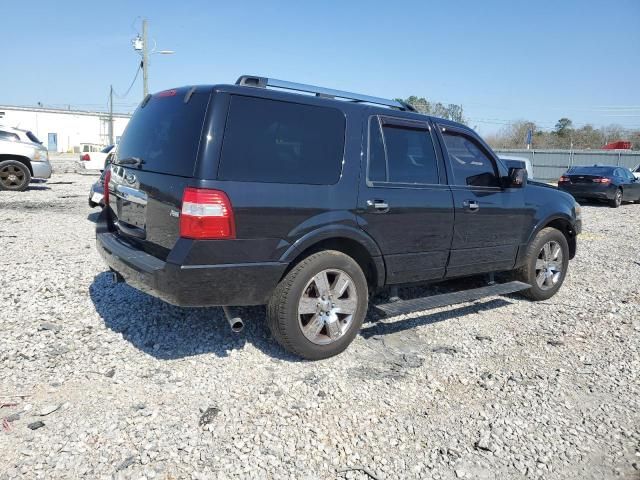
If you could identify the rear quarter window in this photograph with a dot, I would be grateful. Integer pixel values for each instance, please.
(281, 142)
(165, 133)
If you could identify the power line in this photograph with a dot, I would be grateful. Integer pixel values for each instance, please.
(130, 86)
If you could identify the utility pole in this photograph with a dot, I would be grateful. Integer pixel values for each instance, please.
(141, 46)
(111, 115)
(145, 59)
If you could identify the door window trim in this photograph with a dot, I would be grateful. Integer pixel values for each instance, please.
(442, 128)
(407, 123)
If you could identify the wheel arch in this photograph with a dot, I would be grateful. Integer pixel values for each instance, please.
(18, 158)
(348, 240)
(564, 225)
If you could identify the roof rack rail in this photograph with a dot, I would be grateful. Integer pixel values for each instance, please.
(263, 82)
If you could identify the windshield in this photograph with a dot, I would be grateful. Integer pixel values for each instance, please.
(33, 138)
(106, 149)
(591, 170)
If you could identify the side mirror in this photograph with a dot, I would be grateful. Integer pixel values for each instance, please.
(516, 179)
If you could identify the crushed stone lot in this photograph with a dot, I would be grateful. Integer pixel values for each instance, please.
(101, 381)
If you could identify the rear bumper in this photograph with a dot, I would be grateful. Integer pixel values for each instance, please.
(41, 170)
(190, 285)
(605, 192)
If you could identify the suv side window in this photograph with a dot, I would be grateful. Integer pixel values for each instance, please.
(401, 152)
(9, 136)
(470, 164)
(281, 142)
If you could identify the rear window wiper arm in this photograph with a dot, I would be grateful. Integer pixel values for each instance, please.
(132, 161)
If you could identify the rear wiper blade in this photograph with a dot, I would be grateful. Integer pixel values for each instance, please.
(133, 161)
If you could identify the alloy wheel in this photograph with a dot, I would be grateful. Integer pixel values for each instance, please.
(327, 306)
(11, 176)
(549, 265)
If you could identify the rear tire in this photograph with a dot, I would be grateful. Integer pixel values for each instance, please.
(545, 268)
(616, 201)
(14, 176)
(318, 308)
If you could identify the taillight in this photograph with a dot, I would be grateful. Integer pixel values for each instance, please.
(601, 180)
(167, 93)
(85, 157)
(206, 215)
(107, 179)
(564, 178)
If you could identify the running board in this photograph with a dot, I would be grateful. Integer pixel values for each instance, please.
(402, 307)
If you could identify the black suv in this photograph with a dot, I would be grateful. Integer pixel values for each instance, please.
(308, 199)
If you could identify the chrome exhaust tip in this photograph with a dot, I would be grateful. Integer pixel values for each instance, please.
(235, 322)
(115, 277)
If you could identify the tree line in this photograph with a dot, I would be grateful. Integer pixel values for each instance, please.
(563, 136)
(449, 111)
(515, 135)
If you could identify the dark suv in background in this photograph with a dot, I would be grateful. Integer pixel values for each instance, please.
(244, 194)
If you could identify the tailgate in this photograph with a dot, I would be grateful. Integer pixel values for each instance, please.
(145, 208)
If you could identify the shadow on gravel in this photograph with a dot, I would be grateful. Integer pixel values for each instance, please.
(38, 187)
(93, 216)
(410, 323)
(594, 203)
(168, 332)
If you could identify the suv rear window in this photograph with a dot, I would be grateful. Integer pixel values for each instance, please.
(281, 142)
(165, 133)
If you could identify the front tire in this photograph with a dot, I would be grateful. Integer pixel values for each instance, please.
(318, 308)
(14, 176)
(547, 260)
(616, 201)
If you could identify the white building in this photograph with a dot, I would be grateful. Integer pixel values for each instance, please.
(64, 130)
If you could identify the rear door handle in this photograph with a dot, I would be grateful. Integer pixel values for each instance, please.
(471, 205)
(379, 206)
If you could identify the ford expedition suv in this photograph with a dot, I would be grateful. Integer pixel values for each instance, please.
(308, 199)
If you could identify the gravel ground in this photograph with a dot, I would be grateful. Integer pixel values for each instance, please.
(102, 381)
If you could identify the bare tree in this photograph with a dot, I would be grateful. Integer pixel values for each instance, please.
(451, 111)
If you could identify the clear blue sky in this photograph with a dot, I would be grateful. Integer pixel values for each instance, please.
(502, 60)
